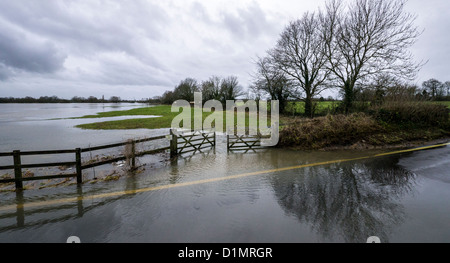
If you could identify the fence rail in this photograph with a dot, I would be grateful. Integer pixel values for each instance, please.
(102, 147)
(244, 142)
(18, 166)
(191, 142)
(179, 144)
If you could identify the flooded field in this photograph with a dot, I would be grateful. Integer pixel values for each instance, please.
(46, 126)
(254, 197)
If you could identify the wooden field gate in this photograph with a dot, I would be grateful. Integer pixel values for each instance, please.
(194, 141)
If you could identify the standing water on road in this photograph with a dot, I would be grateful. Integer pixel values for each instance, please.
(217, 196)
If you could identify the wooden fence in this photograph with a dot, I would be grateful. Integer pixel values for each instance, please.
(18, 166)
(180, 143)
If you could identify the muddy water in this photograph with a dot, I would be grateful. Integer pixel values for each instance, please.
(400, 198)
(38, 127)
(45, 127)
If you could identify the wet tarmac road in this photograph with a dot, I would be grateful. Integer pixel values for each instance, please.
(220, 197)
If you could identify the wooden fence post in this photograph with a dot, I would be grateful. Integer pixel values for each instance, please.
(80, 201)
(20, 211)
(18, 170)
(79, 170)
(173, 144)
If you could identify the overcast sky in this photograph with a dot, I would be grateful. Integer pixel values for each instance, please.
(141, 48)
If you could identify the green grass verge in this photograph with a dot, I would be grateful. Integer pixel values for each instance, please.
(165, 121)
(317, 133)
(160, 110)
(446, 103)
(298, 107)
(151, 123)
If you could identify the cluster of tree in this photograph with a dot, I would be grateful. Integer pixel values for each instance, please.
(435, 90)
(389, 89)
(347, 45)
(385, 88)
(55, 99)
(215, 88)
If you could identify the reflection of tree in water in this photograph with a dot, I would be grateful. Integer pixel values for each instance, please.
(349, 201)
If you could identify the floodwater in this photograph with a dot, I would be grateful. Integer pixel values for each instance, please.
(399, 198)
(40, 127)
(46, 127)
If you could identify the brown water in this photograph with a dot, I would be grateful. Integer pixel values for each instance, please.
(400, 198)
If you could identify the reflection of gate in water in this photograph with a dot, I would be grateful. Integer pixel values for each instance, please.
(244, 143)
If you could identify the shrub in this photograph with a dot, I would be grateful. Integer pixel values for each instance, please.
(327, 131)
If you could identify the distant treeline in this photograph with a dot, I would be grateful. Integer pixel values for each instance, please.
(215, 88)
(76, 99)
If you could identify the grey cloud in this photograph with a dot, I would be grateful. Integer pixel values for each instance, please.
(89, 27)
(249, 22)
(121, 69)
(17, 50)
(82, 29)
(149, 43)
(118, 74)
(4, 72)
(199, 11)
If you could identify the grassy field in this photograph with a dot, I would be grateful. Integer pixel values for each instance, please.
(151, 123)
(395, 125)
(321, 107)
(165, 121)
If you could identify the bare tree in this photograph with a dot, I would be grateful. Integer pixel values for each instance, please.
(254, 93)
(230, 88)
(185, 90)
(368, 38)
(211, 88)
(300, 54)
(434, 87)
(447, 87)
(168, 97)
(271, 80)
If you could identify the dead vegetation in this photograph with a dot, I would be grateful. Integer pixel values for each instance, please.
(387, 125)
(327, 131)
